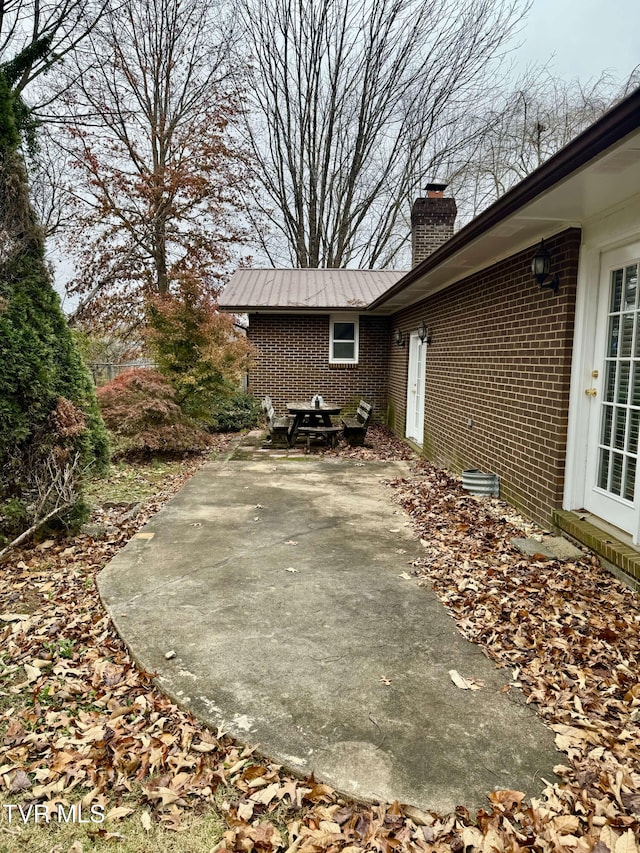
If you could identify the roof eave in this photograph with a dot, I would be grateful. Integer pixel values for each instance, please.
(294, 309)
(620, 121)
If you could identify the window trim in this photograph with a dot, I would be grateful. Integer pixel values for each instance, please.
(345, 318)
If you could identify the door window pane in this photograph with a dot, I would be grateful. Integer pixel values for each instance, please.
(607, 419)
(619, 432)
(634, 398)
(616, 473)
(634, 430)
(603, 469)
(630, 479)
(627, 335)
(616, 290)
(610, 382)
(630, 287)
(614, 330)
(623, 381)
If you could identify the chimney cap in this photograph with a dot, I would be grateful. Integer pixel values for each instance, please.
(435, 190)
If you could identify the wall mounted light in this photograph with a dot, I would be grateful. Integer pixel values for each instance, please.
(424, 334)
(541, 266)
(400, 339)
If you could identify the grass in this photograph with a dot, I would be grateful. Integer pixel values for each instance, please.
(198, 834)
(130, 482)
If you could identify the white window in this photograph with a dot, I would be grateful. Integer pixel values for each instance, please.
(343, 339)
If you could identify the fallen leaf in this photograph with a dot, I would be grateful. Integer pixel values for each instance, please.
(266, 795)
(464, 683)
(20, 782)
(204, 747)
(245, 811)
(32, 672)
(118, 813)
(492, 842)
(471, 838)
(626, 843)
(507, 798)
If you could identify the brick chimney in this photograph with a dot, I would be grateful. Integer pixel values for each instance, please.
(432, 221)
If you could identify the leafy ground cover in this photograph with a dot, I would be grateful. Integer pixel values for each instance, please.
(82, 726)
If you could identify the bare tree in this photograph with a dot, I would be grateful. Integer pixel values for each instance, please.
(537, 117)
(37, 34)
(357, 103)
(158, 173)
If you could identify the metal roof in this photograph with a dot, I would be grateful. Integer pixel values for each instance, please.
(306, 289)
(590, 177)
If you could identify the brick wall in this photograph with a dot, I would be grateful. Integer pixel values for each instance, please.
(500, 355)
(293, 361)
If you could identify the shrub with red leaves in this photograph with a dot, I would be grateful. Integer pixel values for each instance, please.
(140, 411)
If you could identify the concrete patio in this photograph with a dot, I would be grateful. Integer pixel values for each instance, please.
(278, 584)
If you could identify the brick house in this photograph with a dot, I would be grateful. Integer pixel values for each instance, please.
(467, 356)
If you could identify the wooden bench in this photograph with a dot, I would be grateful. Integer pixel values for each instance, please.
(279, 428)
(329, 433)
(355, 429)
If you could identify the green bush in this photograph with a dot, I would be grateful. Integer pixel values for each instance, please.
(235, 412)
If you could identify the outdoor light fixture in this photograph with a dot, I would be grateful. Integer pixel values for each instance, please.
(400, 341)
(424, 334)
(540, 266)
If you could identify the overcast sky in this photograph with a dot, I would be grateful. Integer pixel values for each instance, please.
(578, 38)
(582, 38)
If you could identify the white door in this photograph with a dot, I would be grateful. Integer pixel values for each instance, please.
(415, 389)
(613, 485)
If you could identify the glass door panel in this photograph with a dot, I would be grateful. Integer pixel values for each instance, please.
(620, 408)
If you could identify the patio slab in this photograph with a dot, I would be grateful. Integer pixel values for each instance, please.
(279, 586)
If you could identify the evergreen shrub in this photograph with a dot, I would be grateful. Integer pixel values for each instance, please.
(235, 412)
(49, 417)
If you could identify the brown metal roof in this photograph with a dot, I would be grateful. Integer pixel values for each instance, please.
(306, 289)
(595, 172)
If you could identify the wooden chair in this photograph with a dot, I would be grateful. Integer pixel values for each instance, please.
(355, 429)
(279, 428)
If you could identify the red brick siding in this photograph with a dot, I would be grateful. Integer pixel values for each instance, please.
(293, 361)
(501, 355)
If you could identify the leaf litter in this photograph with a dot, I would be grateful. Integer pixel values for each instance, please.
(570, 633)
(79, 720)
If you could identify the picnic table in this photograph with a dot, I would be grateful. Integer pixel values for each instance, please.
(313, 421)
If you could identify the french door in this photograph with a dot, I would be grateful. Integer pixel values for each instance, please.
(415, 389)
(613, 486)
